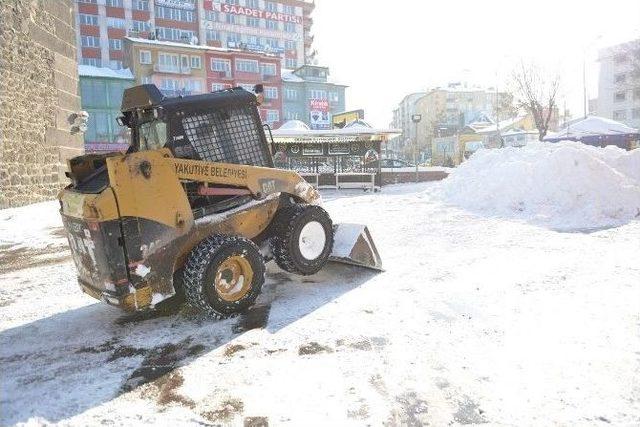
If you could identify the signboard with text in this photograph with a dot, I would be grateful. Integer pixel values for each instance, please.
(254, 13)
(319, 116)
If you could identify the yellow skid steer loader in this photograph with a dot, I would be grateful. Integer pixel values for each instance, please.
(196, 207)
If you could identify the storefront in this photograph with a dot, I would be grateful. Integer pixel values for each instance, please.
(335, 158)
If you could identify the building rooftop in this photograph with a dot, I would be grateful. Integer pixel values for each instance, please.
(291, 77)
(91, 71)
(194, 46)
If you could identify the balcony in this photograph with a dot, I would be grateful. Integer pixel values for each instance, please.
(162, 68)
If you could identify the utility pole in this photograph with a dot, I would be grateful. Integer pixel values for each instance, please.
(584, 84)
(415, 118)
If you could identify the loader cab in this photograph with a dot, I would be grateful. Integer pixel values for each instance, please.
(222, 126)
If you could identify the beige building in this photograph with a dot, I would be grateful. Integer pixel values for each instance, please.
(446, 111)
(38, 99)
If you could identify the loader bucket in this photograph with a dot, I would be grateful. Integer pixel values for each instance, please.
(352, 244)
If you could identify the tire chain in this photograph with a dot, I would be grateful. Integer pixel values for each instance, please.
(196, 266)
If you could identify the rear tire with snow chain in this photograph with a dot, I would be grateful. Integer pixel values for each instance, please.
(223, 275)
(302, 239)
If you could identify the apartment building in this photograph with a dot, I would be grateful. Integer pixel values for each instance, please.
(182, 69)
(619, 83)
(311, 97)
(278, 27)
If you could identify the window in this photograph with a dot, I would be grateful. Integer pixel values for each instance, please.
(253, 22)
(620, 78)
(291, 115)
(255, 40)
(145, 80)
(289, 10)
(231, 19)
(115, 44)
(272, 25)
(236, 2)
(114, 3)
(168, 62)
(141, 26)
(272, 43)
(90, 41)
(273, 116)
(175, 34)
(145, 57)
(290, 27)
(116, 22)
(252, 4)
(635, 113)
(222, 66)
(270, 92)
(289, 44)
(291, 94)
(317, 94)
(247, 87)
(246, 65)
(636, 93)
(115, 64)
(234, 38)
(196, 62)
(174, 14)
(217, 86)
(291, 63)
(88, 19)
(193, 86)
(88, 1)
(271, 6)
(620, 115)
(333, 97)
(140, 4)
(210, 15)
(212, 35)
(94, 62)
(619, 96)
(268, 69)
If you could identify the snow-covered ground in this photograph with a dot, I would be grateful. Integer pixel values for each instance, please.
(478, 318)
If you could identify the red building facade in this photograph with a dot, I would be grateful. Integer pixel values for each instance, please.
(232, 68)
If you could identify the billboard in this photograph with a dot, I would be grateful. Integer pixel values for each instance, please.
(340, 120)
(254, 13)
(319, 116)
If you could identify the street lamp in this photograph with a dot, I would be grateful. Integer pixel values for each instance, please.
(415, 118)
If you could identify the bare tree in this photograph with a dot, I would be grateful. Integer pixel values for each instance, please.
(537, 94)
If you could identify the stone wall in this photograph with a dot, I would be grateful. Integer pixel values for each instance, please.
(38, 93)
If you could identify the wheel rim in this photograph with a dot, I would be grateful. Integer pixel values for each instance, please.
(312, 240)
(233, 278)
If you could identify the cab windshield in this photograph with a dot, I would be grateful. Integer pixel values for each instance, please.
(152, 135)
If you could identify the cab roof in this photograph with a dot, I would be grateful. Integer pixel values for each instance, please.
(148, 96)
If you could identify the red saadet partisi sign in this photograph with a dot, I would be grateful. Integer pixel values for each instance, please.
(256, 13)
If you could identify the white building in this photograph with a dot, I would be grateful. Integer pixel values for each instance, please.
(402, 120)
(619, 83)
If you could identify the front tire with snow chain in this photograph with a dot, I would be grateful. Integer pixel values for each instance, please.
(302, 239)
(223, 275)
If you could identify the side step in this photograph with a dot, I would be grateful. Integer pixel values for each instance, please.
(352, 244)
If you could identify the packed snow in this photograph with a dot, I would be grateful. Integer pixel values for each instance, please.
(477, 318)
(566, 185)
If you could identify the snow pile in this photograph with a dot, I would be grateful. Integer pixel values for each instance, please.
(35, 226)
(563, 185)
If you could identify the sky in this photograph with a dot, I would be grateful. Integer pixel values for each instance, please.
(385, 50)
